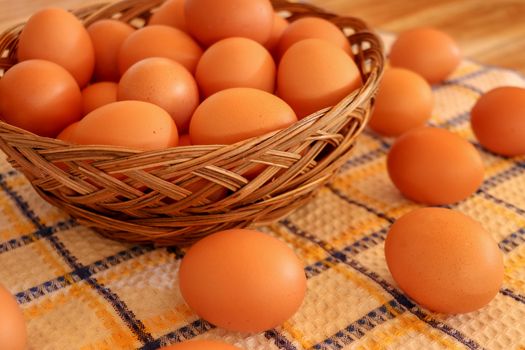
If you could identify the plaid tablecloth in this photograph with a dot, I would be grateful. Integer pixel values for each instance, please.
(81, 291)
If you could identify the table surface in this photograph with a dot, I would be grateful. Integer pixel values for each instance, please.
(490, 31)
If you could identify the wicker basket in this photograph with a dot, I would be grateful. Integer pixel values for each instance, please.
(147, 196)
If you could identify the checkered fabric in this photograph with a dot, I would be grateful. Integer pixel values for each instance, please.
(81, 291)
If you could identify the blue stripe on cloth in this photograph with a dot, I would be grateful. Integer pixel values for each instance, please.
(21, 203)
(454, 121)
(301, 233)
(502, 176)
(320, 266)
(179, 254)
(399, 297)
(384, 144)
(502, 202)
(199, 327)
(70, 259)
(366, 242)
(353, 249)
(129, 318)
(279, 340)
(358, 329)
(10, 173)
(37, 235)
(81, 274)
(491, 67)
(513, 295)
(349, 200)
(474, 74)
(512, 241)
(187, 332)
(460, 84)
(481, 148)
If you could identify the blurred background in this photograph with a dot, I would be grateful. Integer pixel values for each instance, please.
(489, 31)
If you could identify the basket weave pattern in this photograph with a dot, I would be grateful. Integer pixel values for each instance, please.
(169, 196)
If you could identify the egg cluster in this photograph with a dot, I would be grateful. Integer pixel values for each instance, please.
(206, 72)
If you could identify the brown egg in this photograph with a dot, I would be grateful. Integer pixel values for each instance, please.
(434, 166)
(313, 28)
(184, 140)
(242, 280)
(107, 36)
(498, 120)
(131, 124)
(210, 20)
(171, 13)
(159, 41)
(66, 134)
(444, 260)
(314, 74)
(56, 35)
(279, 26)
(429, 52)
(165, 83)
(13, 333)
(235, 62)
(200, 345)
(237, 114)
(404, 101)
(39, 96)
(98, 95)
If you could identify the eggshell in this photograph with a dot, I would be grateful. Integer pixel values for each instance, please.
(98, 95)
(444, 260)
(237, 114)
(429, 52)
(170, 13)
(314, 74)
(56, 35)
(279, 26)
(235, 62)
(165, 83)
(107, 36)
(66, 134)
(131, 124)
(13, 333)
(404, 101)
(39, 96)
(200, 345)
(210, 20)
(159, 41)
(434, 166)
(498, 120)
(184, 140)
(313, 28)
(242, 280)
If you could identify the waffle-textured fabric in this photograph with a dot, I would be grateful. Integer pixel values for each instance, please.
(81, 291)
